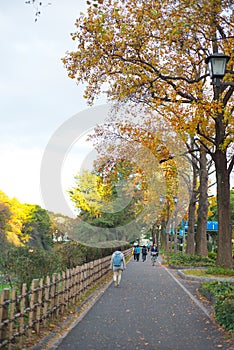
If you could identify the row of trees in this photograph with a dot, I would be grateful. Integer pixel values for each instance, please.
(152, 54)
(30, 248)
(24, 223)
(31, 226)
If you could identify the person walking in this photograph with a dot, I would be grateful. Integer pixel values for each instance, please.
(154, 253)
(134, 253)
(137, 252)
(117, 264)
(144, 253)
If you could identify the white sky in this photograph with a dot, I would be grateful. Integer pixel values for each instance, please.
(36, 95)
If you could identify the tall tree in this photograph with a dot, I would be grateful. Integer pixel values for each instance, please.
(98, 196)
(154, 52)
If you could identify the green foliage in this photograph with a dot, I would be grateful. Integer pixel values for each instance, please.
(220, 271)
(96, 198)
(74, 254)
(24, 224)
(36, 226)
(22, 264)
(213, 210)
(190, 260)
(222, 293)
(224, 310)
(212, 255)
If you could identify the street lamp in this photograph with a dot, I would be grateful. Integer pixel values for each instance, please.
(217, 66)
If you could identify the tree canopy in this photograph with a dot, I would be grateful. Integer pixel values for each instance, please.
(154, 52)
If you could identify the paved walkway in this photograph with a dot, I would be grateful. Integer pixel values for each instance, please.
(152, 309)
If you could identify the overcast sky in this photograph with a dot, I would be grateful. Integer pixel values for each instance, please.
(37, 97)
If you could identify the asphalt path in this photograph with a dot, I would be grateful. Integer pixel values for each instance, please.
(152, 309)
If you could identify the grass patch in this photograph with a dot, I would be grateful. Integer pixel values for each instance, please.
(210, 272)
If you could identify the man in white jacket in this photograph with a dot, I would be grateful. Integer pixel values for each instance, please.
(117, 264)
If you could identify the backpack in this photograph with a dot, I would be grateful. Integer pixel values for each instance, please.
(117, 259)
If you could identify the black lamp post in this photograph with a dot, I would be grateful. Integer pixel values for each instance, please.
(217, 66)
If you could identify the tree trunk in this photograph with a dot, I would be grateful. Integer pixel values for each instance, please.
(175, 231)
(163, 235)
(190, 247)
(224, 256)
(201, 237)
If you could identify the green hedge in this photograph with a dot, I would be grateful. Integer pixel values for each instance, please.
(190, 260)
(222, 295)
(20, 265)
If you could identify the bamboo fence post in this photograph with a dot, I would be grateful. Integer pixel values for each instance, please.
(46, 299)
(33, 302)
(56, 295)
(39, 306)
(76, 281)
(81, 279)
(88, 275)
(52, 294)
(11, 320)
(72, 288)
(99, 269)
(4, 313)
(57, 291)
(63, 291)
(22, 313)
(67, 288)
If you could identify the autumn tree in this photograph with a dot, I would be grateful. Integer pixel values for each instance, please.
(156, 173)
(154, 52)
(99, 197)
(36, 226)
(24, 224)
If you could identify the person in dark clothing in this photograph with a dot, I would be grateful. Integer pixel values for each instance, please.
(154, 253)
(144, 253)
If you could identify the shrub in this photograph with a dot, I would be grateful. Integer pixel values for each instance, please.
(220, 271)
(190, 260)
(224, 312)
(222, 294)
(212, 255)
(24, 264)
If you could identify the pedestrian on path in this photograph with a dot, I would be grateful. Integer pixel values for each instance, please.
(134, 253)
(117, 264)
(154, 250)
(137, 252)
(154, 254)
(144, 253)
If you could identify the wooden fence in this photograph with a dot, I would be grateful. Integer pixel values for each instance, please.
(22, 314)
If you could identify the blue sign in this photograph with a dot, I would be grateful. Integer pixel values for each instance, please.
(212, 225)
